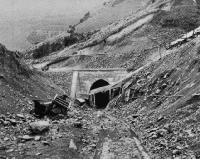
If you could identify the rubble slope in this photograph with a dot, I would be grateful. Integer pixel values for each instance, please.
(161, 103)
(19, 83)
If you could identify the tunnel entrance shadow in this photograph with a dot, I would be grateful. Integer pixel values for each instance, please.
(102, 98)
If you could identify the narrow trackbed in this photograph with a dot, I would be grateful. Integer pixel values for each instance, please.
(117, 140)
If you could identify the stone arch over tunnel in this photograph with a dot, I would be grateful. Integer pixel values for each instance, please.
(101, 98)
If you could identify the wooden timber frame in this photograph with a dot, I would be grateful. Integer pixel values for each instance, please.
(119, 88)
(113, 92)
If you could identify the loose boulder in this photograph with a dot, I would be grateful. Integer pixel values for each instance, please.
(72, 145)
(39, 127)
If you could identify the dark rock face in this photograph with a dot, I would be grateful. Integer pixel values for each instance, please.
(10, 63)
(2, 50)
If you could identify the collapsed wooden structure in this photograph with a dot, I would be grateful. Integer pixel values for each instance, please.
(62, 101)
(59, 105)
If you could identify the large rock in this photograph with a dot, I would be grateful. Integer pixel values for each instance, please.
(39, 126)
(72, 145)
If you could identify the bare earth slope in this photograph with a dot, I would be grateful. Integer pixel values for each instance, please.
(19, 84)
(130, 41)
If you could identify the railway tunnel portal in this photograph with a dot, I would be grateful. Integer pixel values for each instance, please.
(85, 81)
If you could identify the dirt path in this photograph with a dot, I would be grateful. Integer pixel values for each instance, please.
(63, 69)
(116, 139)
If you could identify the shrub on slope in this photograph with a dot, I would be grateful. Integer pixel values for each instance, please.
(53, 44)
(184, 17)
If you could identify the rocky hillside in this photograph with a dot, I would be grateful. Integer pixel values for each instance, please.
(89, 23)
(164, 98)
(20, 84)
(130, 41)
(106, 13)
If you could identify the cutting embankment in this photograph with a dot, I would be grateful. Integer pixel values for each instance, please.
(20, 83)
(161, 102)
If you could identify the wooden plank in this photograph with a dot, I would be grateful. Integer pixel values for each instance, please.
(61, 101)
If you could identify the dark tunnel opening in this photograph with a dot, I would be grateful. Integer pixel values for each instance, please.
(102, 98)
